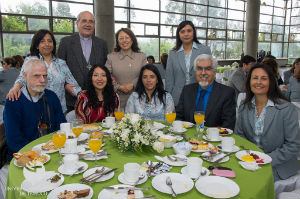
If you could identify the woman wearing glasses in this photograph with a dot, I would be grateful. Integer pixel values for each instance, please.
(125, 64)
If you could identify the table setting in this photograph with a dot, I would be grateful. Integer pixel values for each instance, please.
(143, 164)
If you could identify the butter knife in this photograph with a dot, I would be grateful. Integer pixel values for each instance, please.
(133, 188)
(102, 174)
(221, 158)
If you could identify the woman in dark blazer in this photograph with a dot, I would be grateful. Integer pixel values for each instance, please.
(267, 119)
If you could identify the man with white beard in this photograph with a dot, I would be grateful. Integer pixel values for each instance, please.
(216, 100)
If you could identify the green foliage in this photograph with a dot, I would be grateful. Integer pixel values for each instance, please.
(62, 25)
(13, 23)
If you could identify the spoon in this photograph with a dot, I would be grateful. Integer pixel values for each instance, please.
(140, 178)
(150, 165)
(95, 172)
(78, 170)
(175, 159)
(203, 173)
(169, 183)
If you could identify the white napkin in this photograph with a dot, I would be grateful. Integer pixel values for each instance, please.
(252, 166)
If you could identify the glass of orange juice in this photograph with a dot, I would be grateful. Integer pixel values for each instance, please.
(95, 145)
(199, 117)
(77, 127)
(59, 139)
(170, 116)
(119, 113)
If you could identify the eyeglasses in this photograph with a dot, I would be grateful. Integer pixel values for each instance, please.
(124, 38)
(200, 68)
(87, 21)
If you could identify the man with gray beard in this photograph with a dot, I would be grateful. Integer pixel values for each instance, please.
(216, 100)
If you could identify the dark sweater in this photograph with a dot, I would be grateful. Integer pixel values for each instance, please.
(20, 120)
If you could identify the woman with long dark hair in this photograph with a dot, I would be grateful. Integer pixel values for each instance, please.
(293, 88)
(181, 58)
(267, 119)
(99, 100)
(150, 100)
(60, 78)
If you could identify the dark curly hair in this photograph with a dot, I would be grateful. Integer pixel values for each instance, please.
(140, 88)
(274, 93)
(180, 26)
(109, 96)
(36, 40)
(134, 46)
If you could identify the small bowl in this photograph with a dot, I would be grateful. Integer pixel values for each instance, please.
(182, 148)
(168, 140)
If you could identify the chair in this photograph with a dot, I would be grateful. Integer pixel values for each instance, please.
(294, 193)
(287, 185)
(240, 98)
(71, 116)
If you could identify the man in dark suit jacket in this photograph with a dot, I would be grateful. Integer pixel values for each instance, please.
(81, 51)
(218, 102)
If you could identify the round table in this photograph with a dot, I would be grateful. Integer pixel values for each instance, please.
(253, 184)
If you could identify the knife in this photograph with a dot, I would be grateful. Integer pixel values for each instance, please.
(132, 188)
(184, 137)
(102, 174)
(221, 158)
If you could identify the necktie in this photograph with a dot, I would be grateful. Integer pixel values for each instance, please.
(200, 104)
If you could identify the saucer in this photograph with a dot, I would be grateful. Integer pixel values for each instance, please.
(106, 126)
(80, 149)
(62, 170)
(177, 130)
(214, 140)
(234, 149)
(185, 172)
(122, 179)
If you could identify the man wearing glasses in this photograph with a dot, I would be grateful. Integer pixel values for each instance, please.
(81, 51)
(216, 100)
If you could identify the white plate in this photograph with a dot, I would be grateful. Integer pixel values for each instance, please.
(43, 184)
(215, 140)
(180, 183)
(118, 193)
(228, 130)
(234, 149)
(70, 187)
(103, 178)
(176, 130)
(62, 170)
(189, 124)
(83, 136)
(219, 155)
(39, 148)
(158, 126)
(185, 172)
(122, 179)
(91, 157)
(80, 149)
(48, 158)
(174, 163)
(198, 150)
(266, 158)
(217, 187)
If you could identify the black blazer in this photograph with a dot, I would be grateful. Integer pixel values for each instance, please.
(70, 50)
(220, 109)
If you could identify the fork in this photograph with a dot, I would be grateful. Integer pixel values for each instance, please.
(94, 173)
(247, 150)
(175, 159)
(78, 170)
(169, 183)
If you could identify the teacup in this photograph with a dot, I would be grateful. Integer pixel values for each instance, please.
(66, 127)
(213, 133)
(227, 144)
(70, 146)
(177, 126)
(70, 163)
(194, 166)
(131, 172)
(108, 121)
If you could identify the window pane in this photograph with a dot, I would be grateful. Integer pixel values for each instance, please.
(265, 19)
(13, 23)
(278, 11)
(234, 50)
(234, 35)
(263, 46)
(295, 11)
(167, 31)
(121, 3)
(266, 9)
(149, 46)
(62, 9)
(144, 16)
(172, 6)
(235, 25)
(295, 20)
(151, 30)
(216, 12)
(198, 21)
(294, 50)
(217, 48)
(172, 19)
(196, 10)
(28, 7)
(118, 26)
(286, 35)
(216, 23)
(276, 49)
(294, 29)
(278, 20)
(37, 24)
(234, 4)
(16, 44)
(166, 45)
(218, 3)
(58, 38)
(238, 15)
(201, 33)
(138, 29)
(264, 28)
(121, 14)
(198, 1)
(63, 25)
(145, 4)
(285, 49)
(84, 1)
(221, 34)
(277, 29)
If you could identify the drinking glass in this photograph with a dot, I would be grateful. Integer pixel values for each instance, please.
(199, 117)
(119, 113)
(170, 116)
(77, 127)
(95, 146)
(59, 140)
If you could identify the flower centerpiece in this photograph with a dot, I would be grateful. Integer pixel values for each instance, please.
(133, 132)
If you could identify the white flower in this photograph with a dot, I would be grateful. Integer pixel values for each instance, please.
(158, 146)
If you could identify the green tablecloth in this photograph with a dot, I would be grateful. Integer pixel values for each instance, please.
(253, 185)
(222, 69)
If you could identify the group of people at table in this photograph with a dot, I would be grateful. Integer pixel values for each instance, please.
(103, 82)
